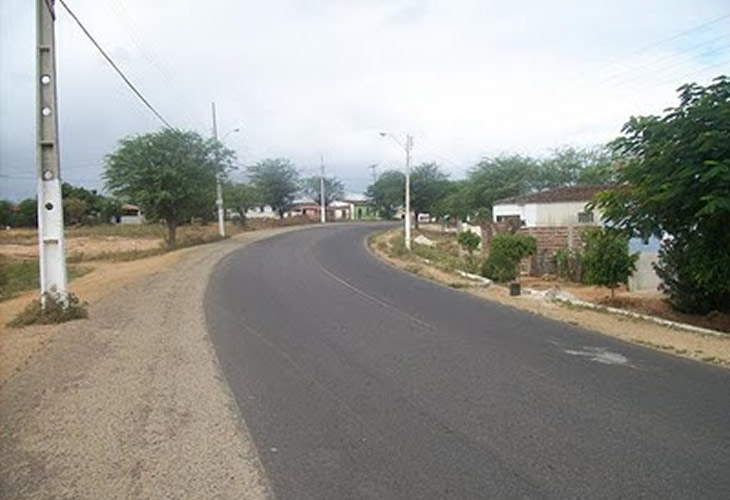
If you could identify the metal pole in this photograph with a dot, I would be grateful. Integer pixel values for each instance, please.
(323, 207)
(407, 234)
(50, 202)
(218, 186)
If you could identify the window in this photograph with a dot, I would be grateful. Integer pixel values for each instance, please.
(585, 217)
(511, 219)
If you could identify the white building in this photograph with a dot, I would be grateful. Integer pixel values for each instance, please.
(556, 216)
(563, 206)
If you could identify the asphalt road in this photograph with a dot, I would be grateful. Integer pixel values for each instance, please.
(357, 380)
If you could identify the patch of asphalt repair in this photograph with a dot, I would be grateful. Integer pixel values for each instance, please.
(131, 403)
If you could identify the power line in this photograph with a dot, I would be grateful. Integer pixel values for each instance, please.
(657, 43)
(149, 54)
(116, 68)
(670, 58)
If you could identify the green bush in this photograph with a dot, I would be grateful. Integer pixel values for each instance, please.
(499, 267)
(469, 241)
(514, 246)
(606, 258)
(55, 311)
(691, 276)
(505, 253)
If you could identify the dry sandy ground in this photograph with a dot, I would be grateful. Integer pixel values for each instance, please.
(88, 246)
(706, 348)
(130, 403)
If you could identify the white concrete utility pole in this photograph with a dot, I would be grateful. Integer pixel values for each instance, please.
(50, 202)
(409, 147)
(407, 216)
(218, 186)
(323, 207)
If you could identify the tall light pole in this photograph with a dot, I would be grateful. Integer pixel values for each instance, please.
(323, 207)
(408, 147)
(218, 185)
(50, 207)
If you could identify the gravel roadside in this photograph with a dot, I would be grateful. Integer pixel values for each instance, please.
(131, 403)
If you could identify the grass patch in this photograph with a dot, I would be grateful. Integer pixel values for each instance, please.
(21, 275)
(414, 268)
(55, 311)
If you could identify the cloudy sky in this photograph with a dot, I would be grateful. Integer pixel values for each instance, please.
(467, 78)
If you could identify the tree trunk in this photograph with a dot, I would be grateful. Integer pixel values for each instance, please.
(613, 293)
(416, 219)
(171, 232)
(242, 215)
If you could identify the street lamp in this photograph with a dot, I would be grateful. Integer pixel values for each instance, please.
(407, 219)
(234, 131)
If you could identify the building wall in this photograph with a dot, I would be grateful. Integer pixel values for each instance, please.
(645, 278)
(544, 214)
(561, 214)
(362, 212)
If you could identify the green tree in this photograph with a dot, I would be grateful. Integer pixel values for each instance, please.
(333, 189)
(505, 253)
(606, 258)
(387, 192)
(674, 178)
(469, 241)
(570, 166)
(240, 197)
(501, 177)
(277, 182)
(455, 204)
(26, 214)
(6, 214)
(429, 184)
(170, 174)
(74, 210)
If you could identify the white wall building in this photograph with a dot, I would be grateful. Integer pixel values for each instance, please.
(564, 206)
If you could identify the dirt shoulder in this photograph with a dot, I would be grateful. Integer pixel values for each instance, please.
(130, 403)
(705, 348)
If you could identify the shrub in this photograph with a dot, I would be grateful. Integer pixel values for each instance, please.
(606, 258)
(469, 241)
(505, 253)
(690, 276)
(55, 311)
(498, 267)
(569, 264)
(515, 246)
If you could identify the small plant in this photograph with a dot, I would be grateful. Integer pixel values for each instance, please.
(498, 267)
(505, 253)
(469, 241)
(606, 258)
(569, 264)
(56, 310)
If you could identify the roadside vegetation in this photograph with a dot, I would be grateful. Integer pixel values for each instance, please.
(49, 309)
(441, 263)
(666, 176)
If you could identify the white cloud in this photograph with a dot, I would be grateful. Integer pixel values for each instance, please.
(467, 78)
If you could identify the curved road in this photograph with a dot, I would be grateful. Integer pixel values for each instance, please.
(357, 380)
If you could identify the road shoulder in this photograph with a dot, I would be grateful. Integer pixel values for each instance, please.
(704, 348)
(130, 403)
